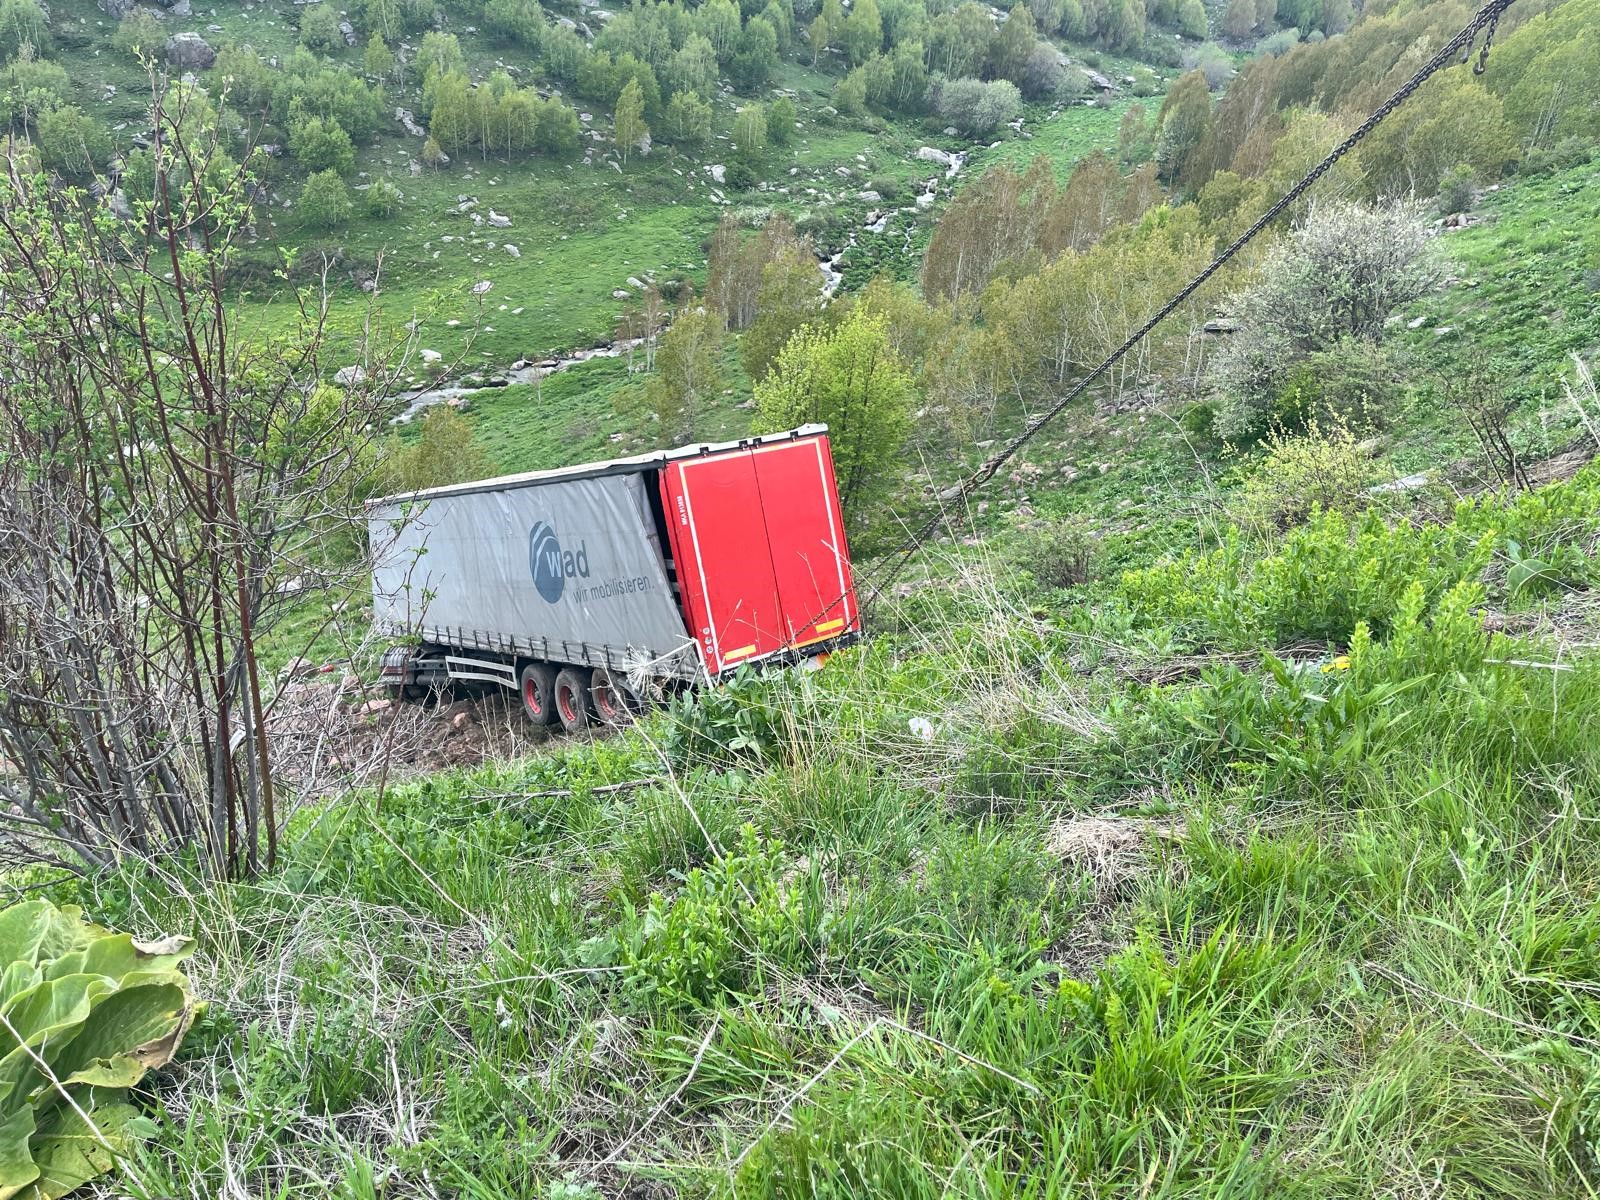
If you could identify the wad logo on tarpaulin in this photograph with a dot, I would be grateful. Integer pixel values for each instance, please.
(550, 565)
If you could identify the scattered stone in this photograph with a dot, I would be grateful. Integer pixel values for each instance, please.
(869, 196)
(621, 294)
(935, 155)
(499, 220)
(190, 50)
(1220, 325)
(430, 356)
(350, 376)
(718, 172)
(408, 119)
(377, 706)
(512, 250)
(482, 287)
(1417, 322)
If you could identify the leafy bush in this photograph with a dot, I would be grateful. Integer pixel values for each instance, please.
(743, 720)
(383, 198)
(1329, 575)
(1062, 555)
(1458, 190)
(1317, 470)
(1333, 283)
(713, 935)
(88, 1012)
(975, 107)
(325, 201)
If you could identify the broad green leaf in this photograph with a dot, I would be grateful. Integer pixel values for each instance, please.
(70, 1152)
(17, 1168)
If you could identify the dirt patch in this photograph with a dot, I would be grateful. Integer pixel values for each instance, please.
(1113, 851)
(332, 733)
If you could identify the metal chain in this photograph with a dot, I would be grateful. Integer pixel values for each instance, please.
(1487, 17)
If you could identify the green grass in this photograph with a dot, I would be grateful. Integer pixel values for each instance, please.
(1095, 936)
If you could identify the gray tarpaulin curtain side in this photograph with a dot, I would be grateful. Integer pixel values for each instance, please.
(570, 560)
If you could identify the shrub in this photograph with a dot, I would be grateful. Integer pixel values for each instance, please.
(1300, 474)
(383, 198)
(975, 107)
(325, 201)
(433, 154)
(319, 27)
(139, 32)
(95, 1011)
(1326, 577)
(1330, 286)
(717, 933)
(1458, 190)
(1063, 555)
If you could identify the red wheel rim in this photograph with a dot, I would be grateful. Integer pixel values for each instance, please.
(569, 710)
(604, 702)
(530, 696)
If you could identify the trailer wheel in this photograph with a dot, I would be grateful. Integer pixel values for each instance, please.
(572, 699)
(538, 686)
(613, 700)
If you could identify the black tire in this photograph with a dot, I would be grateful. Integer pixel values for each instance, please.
(612, 699)
(538, 691)
(572, 699)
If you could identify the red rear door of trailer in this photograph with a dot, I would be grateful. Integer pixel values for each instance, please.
(759, 543)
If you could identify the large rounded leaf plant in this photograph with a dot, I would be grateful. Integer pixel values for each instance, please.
(84, 1013)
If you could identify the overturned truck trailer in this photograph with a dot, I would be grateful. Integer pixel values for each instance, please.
(589, 587)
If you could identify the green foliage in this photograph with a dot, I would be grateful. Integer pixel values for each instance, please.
(734, 921)
(743, 722)
(139, 33)
(1062, 555)
(383, 198)
(1324, 578)
(320, 145)
(688, 372)
(781, 119)
(851, 380)
(688, 122)
(1322, 469)
(750, 133)
(22, 23)
(30, 87)
(71, 141)
(629, 119)
(445, 452)
(319, 27)
(88, 1012)
(325, 201)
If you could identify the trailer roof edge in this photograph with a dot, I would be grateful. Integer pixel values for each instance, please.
(615, 466)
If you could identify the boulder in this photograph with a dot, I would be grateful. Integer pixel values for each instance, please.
(934, 155)
(190, 50)
(513, 250)
(182, 9)
(349, 376)
(718, 172)
(429, 356)
(345, 28)
(408, 119)
(499, 220)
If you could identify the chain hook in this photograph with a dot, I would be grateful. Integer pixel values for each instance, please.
(1482, 64)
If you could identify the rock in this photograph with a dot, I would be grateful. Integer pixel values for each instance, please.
(1417, 322)
(1097, 80)
(408, 119)
(429, 356)
(349, 32)
(377, 706)
(499, 220)
(350, 376)
(718, 172)
(636, 283)
(117, 8)
(621, 294)
(951, 131)
(1220, 325)
(461, 720)
(182, 9)
(934, 155)
(459, 403)
(190, 50)
(870, 196)
(512, 250)
(117, 202)
(482, 287)
(925, 200)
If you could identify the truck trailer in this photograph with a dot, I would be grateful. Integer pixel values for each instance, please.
(590, 589)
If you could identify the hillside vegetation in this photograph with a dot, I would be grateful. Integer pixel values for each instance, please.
(1210, 809)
